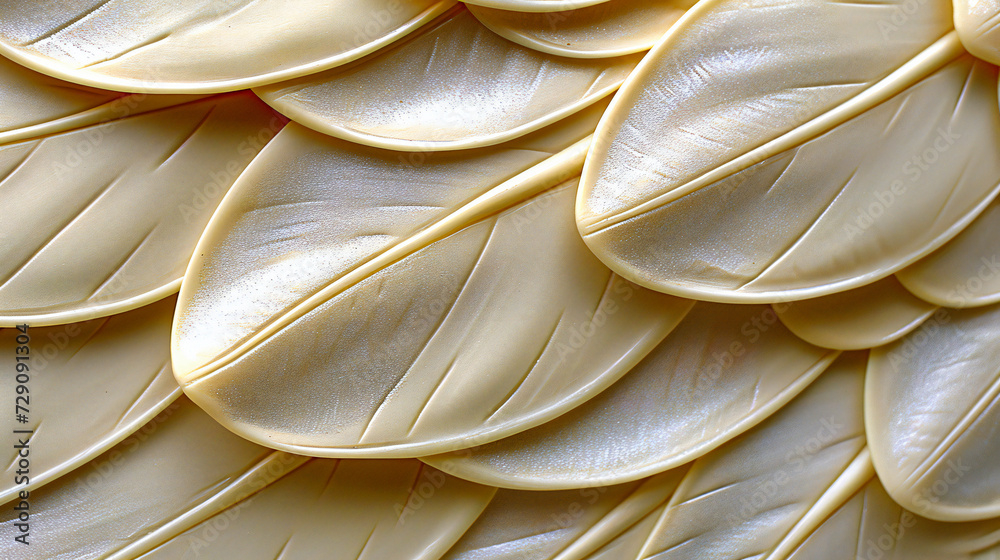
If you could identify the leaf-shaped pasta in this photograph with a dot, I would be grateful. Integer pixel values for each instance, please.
(101, 216)
(760, 495)
(562, 524)
(613, 28)
(966, 271)
(857, 319)
(871, 526)
(182, 473)
(194, 46)
(367, 510)
(723, 369)
(535, 5)
(180, 468)
(91, 385)
(456, 85)
(977, 24)
(344, 302)
(787, 162)
(932, 406)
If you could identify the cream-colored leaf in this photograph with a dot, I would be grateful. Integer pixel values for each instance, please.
(613, 28)
(562, 524)
(932, 408)
(723, 369)
(180, 468)
(350, 509)
(977, 24)
(763, 493)
(90, 385)
(193, 46)
(102, 212)
(455, 85)
(629, 544)
(857, 319)
(535, 5)
(347, 302)
(966, 271)
(870, 526)
(760, 153)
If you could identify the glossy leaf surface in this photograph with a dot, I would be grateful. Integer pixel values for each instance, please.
(932, 407)
(857, 319)
(723, 370)
(430, 317)
(612, 28)
(195, 46)
(456, 85)
(103, 206)
(788, 163)
(89, 385)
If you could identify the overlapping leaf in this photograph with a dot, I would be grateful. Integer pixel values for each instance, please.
(182, 472)
(344, 302)
(367, 510)
(870, 525)
(932, 408)
(612, 28)
(536, 5)
(723, 370)
(978, 25)
(966, 271)
(762, 493)
(89, 385)
(788, 162)
(197, 46)
(105, 198)
(562, 524)
(857, 319)
(456, 85)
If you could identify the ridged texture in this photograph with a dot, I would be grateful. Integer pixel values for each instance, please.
(723, 370)
(415, 323)
(784, 164)
(456, 85)
(102, 210)
(91, 385)
(564, 524)
(197, 45)
(760, 493)
(871, 526)
(363, 510)
(932, 408)
(978, 25)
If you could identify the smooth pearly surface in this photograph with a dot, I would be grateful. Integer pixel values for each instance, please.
(723, 369)
(455, 85)
(976, 23)
(857, 319)
(776, 165)
(966, 271)
(762, 493)
(200, 46)
(612, 28)
(387, 277)
(932, 408)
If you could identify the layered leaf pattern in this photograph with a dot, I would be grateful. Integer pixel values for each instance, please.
(458, 85)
